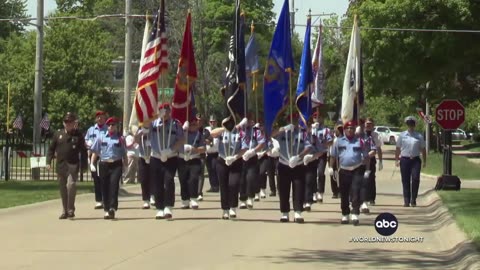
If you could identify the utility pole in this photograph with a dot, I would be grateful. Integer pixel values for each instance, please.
(37, 108)
(128, 66)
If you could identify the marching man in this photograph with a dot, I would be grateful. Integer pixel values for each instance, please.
(353, 159)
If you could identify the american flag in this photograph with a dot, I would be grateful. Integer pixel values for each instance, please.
(18, 123)
(45, 122)
(154, 63)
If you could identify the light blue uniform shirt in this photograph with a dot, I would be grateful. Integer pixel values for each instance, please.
(254, 137)
(93, 133)
(195, 139)
(318, 138)
(231, 143)
(109, 147)
(351, 153)
(298, 141)
(410, 144)
(162, 138)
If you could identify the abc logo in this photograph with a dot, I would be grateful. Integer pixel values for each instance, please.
(386, 224)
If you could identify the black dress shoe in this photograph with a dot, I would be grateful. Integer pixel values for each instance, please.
(63, 216)
(272, 194)
(213, 190)
(406, 205)
(111, 213)
(335, 196)
(299, 220)
(372, 203)
(71, 215)
(356, 222)
(414, 204)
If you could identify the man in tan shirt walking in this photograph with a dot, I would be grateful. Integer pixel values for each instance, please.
(68, 145)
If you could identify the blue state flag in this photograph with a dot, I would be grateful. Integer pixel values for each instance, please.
(251, 55)
(305, 79)
(279, 64)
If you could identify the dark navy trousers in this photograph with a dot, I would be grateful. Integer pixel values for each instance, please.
(410, 170)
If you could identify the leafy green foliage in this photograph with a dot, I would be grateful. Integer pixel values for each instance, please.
(399, 63)
(12, 9)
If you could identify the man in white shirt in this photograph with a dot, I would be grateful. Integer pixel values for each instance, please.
(212, 155)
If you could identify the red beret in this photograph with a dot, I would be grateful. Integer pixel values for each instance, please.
(99, 113)
(164, 105)
(111, 120)
(350, 124)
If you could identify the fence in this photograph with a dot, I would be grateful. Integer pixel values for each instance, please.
(17, 155)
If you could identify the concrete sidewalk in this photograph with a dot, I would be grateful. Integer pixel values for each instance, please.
(33, 238)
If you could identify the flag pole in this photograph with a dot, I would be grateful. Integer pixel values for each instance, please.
(289, 70)
(8, 107)
(254, 80)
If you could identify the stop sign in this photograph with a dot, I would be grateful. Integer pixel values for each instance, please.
(450, 114)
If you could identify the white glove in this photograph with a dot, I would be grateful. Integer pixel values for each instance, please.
(249, 154)
(145, 130)
(92, 167)
(186, 125)
(288, 127)
(315, 125)
(307, 159)
(380, 165)
(161, 113)
(147, 160)
(330, 171)
(275, 152)
(293, 161)
(230, 160)
(257, 125)
(163, 158)
(366, 175)
(187, 148)
(242, 123)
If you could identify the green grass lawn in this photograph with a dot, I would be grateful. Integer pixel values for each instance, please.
(464, 205)
(460, 166)
(473, 147)
(14, 193)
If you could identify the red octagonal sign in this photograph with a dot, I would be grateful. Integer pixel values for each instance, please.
(450, 114)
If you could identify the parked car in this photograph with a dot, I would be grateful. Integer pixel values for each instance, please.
(460, 135)
(388, 134)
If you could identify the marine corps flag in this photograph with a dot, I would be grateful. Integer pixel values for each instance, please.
(234, 89)
(186, 76)
(352, 96)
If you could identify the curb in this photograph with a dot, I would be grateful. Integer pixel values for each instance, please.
(122, 192)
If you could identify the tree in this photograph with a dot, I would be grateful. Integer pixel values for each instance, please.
(12, 9)
(78, 69)
(399, 63)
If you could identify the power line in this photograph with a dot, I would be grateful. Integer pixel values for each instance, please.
(113, 16)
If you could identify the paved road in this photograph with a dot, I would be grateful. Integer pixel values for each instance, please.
(33, 238)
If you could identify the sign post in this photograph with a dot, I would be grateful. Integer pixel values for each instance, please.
(450, 115)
